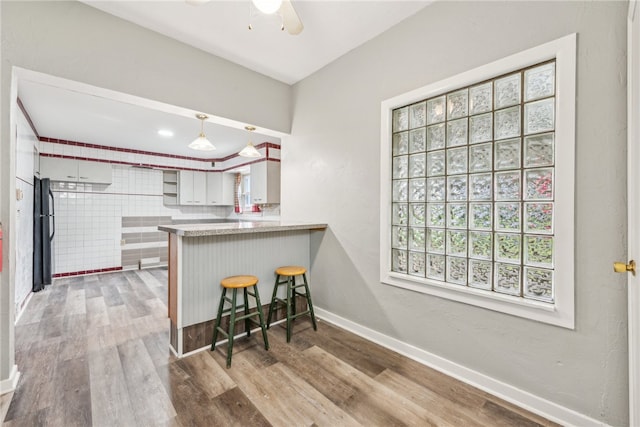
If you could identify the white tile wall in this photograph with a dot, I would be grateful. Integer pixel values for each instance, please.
(89, 216)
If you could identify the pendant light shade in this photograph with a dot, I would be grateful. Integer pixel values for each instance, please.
(249, 150)
(267, 6)
(201, 143)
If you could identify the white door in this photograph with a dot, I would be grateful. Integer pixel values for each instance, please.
(633, 220)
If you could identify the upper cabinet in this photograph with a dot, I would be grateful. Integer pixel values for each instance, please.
(204, 188)
(192, 188)
(265, 182)
(220, 188)
(72, 170)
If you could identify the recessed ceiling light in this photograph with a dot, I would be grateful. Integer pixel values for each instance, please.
(165, 132)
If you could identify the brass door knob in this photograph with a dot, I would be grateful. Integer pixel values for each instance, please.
(621, 267)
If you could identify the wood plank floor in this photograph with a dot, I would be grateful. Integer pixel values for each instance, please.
(93, 351)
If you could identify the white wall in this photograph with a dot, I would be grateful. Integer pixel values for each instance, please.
(26, 148)
(330, 173)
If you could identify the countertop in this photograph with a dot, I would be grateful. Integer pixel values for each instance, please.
(242, 227)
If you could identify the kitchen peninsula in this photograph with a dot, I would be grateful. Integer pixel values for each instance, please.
(200, 255)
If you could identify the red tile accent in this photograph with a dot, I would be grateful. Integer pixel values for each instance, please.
(151, 153)
(83, 272)
(157, 166)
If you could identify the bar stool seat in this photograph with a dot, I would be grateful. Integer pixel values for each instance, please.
(234, 283)
(291, 270)
(238, 281)
(289, 274)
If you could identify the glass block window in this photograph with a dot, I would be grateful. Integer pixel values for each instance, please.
(472, 185)
(477, 186)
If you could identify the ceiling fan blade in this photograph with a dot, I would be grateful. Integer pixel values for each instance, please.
(290, 18)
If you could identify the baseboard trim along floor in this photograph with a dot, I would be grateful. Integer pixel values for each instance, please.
(524, 399)
(10, 383)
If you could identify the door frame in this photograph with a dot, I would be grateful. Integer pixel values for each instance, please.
(633, 205)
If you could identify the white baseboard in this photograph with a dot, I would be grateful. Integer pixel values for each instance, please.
(545, 408)
(24, 305)
(10, 383)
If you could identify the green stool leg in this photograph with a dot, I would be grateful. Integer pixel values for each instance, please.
(247, 322)
(289, 294)
(218, 319)
(293, 297)
(273, 301)
(306, 289)
(232, 327)
(261, 317)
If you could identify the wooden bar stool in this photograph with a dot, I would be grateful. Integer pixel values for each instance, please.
(234, 283)
(289, 274)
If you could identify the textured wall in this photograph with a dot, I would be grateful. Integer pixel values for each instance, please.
(72, 40)
(208, 259)
(330, 173)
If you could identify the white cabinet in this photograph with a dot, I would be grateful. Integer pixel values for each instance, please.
(96, 172)
(220, 188)
(265, 182)
(228, 189)
(72, 170)
(214, 188)
(192, 188)
(198, 188)
(58, 169)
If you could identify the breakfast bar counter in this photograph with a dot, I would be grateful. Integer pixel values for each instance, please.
(200, 255)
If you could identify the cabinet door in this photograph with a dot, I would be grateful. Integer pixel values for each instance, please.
(58, 169)
(265, 182)
(214, 188)
(199, 188)
(228, 189)
(94, 172)
(259, 183)
(185, 187)
(273, 182)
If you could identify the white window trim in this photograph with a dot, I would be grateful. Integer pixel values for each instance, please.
(561, 312)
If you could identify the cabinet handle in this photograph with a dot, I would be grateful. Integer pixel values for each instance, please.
(84, 177)
(70, 176)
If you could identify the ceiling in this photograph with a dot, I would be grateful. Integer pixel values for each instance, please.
(331, 29)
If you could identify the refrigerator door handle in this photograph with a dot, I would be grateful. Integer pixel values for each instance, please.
(53, 215)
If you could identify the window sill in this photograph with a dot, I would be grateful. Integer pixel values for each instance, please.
(530, 309)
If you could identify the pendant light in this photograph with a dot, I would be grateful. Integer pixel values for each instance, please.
(267, 6)
(249, 150)
(201, 143)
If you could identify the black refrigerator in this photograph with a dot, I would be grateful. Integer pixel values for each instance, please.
(44, 227)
